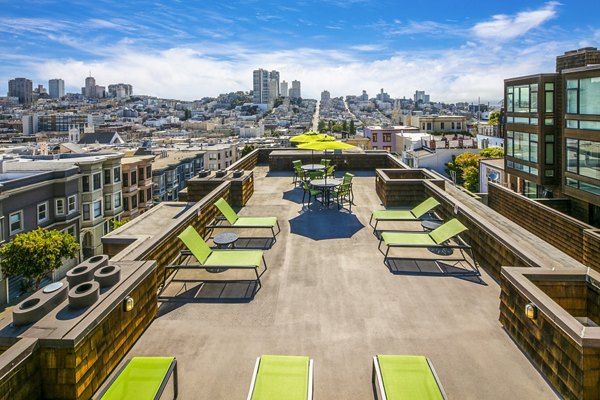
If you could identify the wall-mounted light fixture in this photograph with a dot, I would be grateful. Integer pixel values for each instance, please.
(531, 311)
(128, 303)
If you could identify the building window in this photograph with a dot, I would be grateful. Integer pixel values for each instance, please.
(549, 149)
(86, 212)
(98, 209)
(375, 138)
(133, 178)
(549, 97)
(97, 181)
(149, 193)
(522, 145)
(522, 98)
(148, 172)
(134, 202)
(429, 126)
(107, 176)
(458, 126)
(59, 206)
(72, 204)
(117, 174)
(125, 179)
(212, 156)
(441, 125)
(142, 195)
(117, 198)
(71, 231)
(583, 96)
(586, 187)
(107, 202)
(85, 183)
(42, 212)
(387, 137)
(388, 148)
(15, 221)
(141, 173)
(583, 158)
(126, 203)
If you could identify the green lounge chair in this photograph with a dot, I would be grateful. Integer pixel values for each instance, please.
(143, 378)
(282, 377)
(216, 259)
(405, 377)
(437, 239)
(403, 215)
(242, 222)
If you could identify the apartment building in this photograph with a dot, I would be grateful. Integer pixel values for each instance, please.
(221, 155)
(384, 138)
(171, 169)
(31, 199)
(136, 185)
(553, 133)
(437, 123)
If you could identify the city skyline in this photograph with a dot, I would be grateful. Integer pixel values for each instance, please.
(187, 52)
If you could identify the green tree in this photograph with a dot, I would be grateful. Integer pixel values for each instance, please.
(36, 254)
(460, 163)
(117, 224)
(494, 118)
(321, 127)
(492, 152)
(247, 149)
(352, 127)
(330, 126)
(344, 126)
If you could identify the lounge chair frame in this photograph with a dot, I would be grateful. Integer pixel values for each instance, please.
(171, 371)
(310, 379)
(220, 221)
(379, 389)
(430, 213)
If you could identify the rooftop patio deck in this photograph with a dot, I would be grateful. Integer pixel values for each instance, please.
(334, 300)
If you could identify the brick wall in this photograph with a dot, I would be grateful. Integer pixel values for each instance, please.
(20, 375)
(575, 238)
(573, 371)
(77, 372)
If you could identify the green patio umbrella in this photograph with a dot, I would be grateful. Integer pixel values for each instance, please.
(306, 137)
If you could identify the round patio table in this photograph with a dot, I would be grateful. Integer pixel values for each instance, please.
(325, 185)
(313, 167)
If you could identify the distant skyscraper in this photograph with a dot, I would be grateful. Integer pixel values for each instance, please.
(274, 76)
(421, 96)
(56, 88)
(120, 90)
(364, 96)
(325, 95)
(284, 89)
(295, 92)
(265, 86)
(21, 88)
(91, 89)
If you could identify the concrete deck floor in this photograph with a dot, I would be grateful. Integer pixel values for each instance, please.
(335, 300)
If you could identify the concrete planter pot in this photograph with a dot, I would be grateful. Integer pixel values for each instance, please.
(83, 295)
(85, 271)
(39, 304)
(108, 275)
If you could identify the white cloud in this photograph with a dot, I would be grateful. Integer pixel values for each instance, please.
(460, 74)
(367, 47)
(505, 27)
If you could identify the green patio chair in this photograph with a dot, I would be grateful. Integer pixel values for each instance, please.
(404, 215)
(341, 194)
(312, 175)
(297, 165)
(299, 175)
(438, 240)
(348, 179)
(310, 191)
(216, 259)
(143, 378)
(405, 378)
(325, 162)
(329, 172)
(282, 377)
(236, 221)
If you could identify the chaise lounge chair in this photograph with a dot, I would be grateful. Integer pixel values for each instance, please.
(405, 377)
(436, 239)
(404, 215)
(216, 259)
(143, 378)
(242, 222)
(282, 377)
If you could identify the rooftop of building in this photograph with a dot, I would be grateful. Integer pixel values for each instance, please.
(328, 294)
(170, 157)
(394, 127)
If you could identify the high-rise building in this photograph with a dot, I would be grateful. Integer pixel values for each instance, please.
(295, 92)
(56, 88)
(284, 89)
(21, 88)
(325, 95)
(120, 90)
(552, 133)
(274, 77)
(260, 80)
(420, 96)
(91, 89)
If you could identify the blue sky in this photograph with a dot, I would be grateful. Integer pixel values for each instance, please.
(455, 50)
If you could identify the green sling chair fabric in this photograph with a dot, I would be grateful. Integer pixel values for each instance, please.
(435, 237)
(414, 214)
(205, 256)
(282, 377)
(408, 377)
(141, 379)
(234, 220)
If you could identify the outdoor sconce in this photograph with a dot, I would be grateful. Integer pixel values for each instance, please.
(128, 303)
(531, 311)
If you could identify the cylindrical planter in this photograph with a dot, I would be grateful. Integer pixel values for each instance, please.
(108, 275)
(85, 271)
(238, 173)
(84, 294)
(220, 173)
(39, 304)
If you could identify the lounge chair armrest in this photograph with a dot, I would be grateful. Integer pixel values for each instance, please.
(430, 246)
